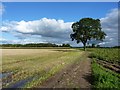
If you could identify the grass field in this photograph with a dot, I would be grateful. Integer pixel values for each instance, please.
(31, 67)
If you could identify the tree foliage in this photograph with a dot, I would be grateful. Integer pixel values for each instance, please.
(35, 45)
(87, 29)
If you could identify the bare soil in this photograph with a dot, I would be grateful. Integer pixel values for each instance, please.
(77, 75)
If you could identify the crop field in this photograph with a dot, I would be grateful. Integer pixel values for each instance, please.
(106, 54)
(105, 67)
(61, 68)
(28, 68)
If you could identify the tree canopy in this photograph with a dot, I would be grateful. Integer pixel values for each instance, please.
(35, 45)
(87, 29)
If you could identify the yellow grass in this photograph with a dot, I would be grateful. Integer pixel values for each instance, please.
(29, 62)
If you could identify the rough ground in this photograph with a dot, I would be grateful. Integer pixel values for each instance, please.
(77, 75)
(113, 67)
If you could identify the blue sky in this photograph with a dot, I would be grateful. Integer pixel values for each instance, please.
(66, 11)
(18, 17)
(60, 0)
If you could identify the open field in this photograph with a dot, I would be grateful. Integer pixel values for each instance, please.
(31, 67)
(60, 68)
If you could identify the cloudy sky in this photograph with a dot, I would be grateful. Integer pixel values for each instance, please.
(25, 22)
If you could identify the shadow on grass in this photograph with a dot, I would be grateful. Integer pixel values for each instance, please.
(89, 78)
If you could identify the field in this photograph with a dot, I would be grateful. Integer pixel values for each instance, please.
(31, 67)
(60, 68)
(106, 54)
(105, 67)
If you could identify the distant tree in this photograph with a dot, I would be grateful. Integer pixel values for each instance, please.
(63, 45)
(93, 45)
(87, 29)
(66, 45)
(98, 46)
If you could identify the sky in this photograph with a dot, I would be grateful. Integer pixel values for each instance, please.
(59, 0)
(50, 22)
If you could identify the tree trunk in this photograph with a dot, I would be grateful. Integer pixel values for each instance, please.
(84, 46)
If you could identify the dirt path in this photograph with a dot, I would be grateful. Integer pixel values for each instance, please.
(77, 75)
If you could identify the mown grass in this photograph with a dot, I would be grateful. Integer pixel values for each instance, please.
(104, 78)
(40, 66)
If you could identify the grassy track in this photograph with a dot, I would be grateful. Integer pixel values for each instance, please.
(34, 65)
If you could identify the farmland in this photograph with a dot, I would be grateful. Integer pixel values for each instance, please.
(105, 67)
(106, 54)
(60, 68)
(31, 67)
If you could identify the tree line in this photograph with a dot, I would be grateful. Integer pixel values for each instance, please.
(35, 45)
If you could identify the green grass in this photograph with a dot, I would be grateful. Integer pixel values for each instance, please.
(103, 78)
(107, 54)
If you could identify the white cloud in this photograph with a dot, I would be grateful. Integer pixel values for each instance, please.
(110, 27)
(111, 20)
(3, 40)
(44, 27)
(43, 30)
(58, 31)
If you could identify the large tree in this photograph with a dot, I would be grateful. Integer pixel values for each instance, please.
(87, 29)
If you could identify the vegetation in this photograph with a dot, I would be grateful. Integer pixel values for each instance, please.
(104, 78)
(87, 29)
(105, 75)
(35, 45)
(107, 54)
(31, 67)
